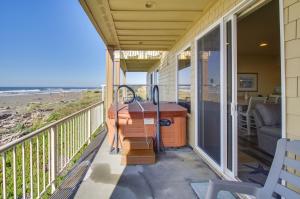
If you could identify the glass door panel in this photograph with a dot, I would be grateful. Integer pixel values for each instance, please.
(208, 54)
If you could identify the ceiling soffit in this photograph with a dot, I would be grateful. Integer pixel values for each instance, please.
(143, 24)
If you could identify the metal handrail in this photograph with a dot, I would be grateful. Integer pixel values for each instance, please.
(34, 133)
(53, 146)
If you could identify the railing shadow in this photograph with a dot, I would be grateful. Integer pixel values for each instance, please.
(75, 176)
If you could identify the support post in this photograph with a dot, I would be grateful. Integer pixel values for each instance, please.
(102, 107)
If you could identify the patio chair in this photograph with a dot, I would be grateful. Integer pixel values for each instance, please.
(246, 119)
(273, 187)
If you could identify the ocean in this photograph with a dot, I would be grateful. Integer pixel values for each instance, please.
(11, 91)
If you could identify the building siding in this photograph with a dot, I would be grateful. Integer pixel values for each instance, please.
(292, 51)
(167, 65)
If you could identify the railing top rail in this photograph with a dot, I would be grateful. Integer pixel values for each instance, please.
(34, 133)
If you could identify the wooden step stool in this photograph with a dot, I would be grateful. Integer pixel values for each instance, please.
(137, 150)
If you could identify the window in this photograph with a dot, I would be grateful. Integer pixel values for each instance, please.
(184, 79)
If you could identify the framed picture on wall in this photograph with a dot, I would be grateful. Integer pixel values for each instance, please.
(247, 82)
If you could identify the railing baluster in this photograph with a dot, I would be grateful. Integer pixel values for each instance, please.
(31, 169)
(68, 140)
(65, 143)
(49, 157)
(15, 172)
(73, 138)
(4, 174)
(61, 147)
(80, 130)
(23, 171)
(89, 126)
(53, 157)
(85, 127)
(44, 160)
(38, 166)
(77, 126)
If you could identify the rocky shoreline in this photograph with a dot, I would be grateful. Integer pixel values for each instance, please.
(14, 125)
(18, 113)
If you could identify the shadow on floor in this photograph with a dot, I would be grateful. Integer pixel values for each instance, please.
(75, 176)
(170, 177)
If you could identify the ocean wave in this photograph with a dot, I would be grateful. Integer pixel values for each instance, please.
(14, 92)
(21, 91)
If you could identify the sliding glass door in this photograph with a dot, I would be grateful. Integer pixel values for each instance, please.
(208, 89)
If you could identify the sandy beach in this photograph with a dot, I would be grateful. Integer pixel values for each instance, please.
(19, 103)
(18, 113)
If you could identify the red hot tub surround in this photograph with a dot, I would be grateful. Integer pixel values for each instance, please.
(134, 123)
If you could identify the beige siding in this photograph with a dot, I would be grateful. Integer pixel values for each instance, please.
(292, 44)
(291, 12)
(167, 65)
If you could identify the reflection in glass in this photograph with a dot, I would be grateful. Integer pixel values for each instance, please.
(208, 50)
(184, 79)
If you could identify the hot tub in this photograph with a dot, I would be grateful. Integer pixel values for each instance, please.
(133, 122)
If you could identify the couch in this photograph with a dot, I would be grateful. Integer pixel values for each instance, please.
(268, 123)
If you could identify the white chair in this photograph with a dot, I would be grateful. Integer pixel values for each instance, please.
(283, 168)
(246, 119)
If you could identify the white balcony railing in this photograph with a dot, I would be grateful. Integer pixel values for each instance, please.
(31, 164)
(128, 54)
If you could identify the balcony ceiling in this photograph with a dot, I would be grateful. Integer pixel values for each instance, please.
(143, 24)
(136, 65)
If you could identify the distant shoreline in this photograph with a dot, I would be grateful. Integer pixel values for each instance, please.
(14, 91)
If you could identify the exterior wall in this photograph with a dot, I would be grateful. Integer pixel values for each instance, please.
(292, 54)
(167, 65)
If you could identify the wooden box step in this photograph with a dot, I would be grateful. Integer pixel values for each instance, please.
(133, 143)
(135, 157)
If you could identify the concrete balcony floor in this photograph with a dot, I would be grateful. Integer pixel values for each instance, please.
(104, 178)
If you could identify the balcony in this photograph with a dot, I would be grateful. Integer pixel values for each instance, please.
(70, 158)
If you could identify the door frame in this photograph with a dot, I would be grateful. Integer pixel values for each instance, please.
(222, 169)
(233, 19)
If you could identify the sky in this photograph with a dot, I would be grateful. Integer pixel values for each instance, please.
(49, 43)
(136, 78)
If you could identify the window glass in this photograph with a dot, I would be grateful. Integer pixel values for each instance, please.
(184, 79)
(209, 136)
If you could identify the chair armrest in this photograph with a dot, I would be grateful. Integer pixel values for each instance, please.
(215, 186)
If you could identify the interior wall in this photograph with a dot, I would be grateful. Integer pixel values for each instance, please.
(268, 69)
